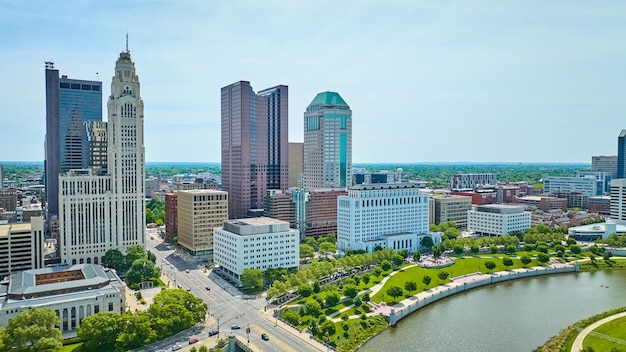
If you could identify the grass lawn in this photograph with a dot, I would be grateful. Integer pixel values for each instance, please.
(70, 348)
(607, 336)
(462, 266)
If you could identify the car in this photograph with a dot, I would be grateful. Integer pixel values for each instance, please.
(187, 271)
(176, 347)
(171, 266)
(208, 288)
(213, 332)
(235, 327)
(192, 341)
(264, 337)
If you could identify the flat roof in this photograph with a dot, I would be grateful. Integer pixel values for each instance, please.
(25, 282)
(257, 221)
(5, 228)
(202, 191)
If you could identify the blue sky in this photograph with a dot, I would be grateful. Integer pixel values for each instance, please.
(429, 81)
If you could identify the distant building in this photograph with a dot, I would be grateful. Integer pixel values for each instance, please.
(1, 177)
(544, 203)
(498, 219)
(8, 199)
(296, 163)
(468, 182)
(96, 158)
(605, 164)
(171, 216)
(152, 184)
(259, 243)
(199, 211)
(587, 185)
(618, 200)
(72, 292)
(574, 199)
(22, 247)
(388, 215)
(507, 193)
(197, 184)
(362, 176)
(603, 177)
(597, 231)
(328, 142)
(600, 205)
(452, 208)
(480, 197)
(621, 155)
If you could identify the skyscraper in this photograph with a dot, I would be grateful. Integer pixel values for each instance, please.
(621, 155)
(255, 149)
(99, 211)
(69, 103)
(328, 142)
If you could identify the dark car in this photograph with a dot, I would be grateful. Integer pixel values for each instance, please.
(208, 288)
(235, 327)
(265, 337)
(213, 332)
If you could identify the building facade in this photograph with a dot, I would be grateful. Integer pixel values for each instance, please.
(21, 247)
(72, 292)
(468, 182)
(452, 208)
(171, 216)
(600, 205)
(544, 203)
(255, 149)
(199, 211)
(8, 199)
(370, 212)
(621, 155)
(605, 164)
(101, 212)
(587, 185)
(69, 103)
(296, 163)
(618, 201)
(328, 142)
(259, 243)
(498, 219)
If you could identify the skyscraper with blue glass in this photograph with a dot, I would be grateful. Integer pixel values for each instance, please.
(69, 103)
(328, 142)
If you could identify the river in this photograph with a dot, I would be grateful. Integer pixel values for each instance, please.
(517, 315)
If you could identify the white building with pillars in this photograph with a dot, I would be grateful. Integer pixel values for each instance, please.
(72, 292)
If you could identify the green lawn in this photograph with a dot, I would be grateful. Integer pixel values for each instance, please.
(607, 336)
(72, 347)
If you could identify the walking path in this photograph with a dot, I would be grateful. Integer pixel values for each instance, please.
(577, 346)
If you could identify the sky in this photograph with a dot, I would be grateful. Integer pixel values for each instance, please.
(427, 81)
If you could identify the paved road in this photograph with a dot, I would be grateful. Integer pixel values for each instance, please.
(577, 346)
(226, 306)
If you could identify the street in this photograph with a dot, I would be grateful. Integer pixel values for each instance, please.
(226, 307)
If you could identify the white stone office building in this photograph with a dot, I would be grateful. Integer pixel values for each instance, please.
(260, 243)
(98, 213)
(618, 201)
(587, 185)
(72, 292)
(21, 246)
(199, 211)
(498, 219)
(387, 215)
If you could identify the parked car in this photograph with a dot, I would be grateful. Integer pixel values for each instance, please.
(187, 271)
(213, 332)
(264, 337)
(192, 341)
(235, 327)
(176, 347)
(208, 288)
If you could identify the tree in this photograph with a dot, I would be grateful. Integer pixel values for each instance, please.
(457, 249)
(100, 331)
(332, 299)
(133, 253)
(114, 259)
(474, 249)
(443, 275)
(542, 248)
(385, 265)
(427, 242)
(377, 271)
(436, 251)
(507, 262)
(313, 308)
(291, 317)
(416, 256)
(397, 259)
(328, 328)
(574, 248)
(316, 287)
(252, 278)
(327, 248)
(136, 331)
(305, 290)
(410, 286)
(142, 270)
(490, 265)
(350, 291)
(394, 291)
(33, 330)
(525, 260)
(543, 258)
(404, 253)
(175, 310)
(306, 251)
(493, 249)
(311, 242)
(510, 249)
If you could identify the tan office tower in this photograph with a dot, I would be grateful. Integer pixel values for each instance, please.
(328, 142)
(296, 163)
(199, 211)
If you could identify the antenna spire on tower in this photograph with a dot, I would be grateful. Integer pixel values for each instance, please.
(127, 42)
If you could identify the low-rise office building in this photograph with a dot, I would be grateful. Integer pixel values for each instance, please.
(452, 208)
(498, 219)
(199, 211)
(259, 243)
(72, 292)
(600, 205)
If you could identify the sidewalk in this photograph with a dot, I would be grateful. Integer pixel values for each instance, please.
(577, 346)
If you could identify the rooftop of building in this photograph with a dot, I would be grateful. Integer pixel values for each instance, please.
(404, 233)
(377, 186)
(14, 227)
(328, 98)
(599, 228)
(501, 208)
(202, 191)
(256, 221)
(30, 281)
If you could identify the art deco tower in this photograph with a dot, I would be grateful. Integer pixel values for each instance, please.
(101, 210)
(328, 142)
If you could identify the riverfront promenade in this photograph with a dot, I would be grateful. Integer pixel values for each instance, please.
(577, 346)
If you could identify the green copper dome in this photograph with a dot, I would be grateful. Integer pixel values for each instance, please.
(328, 98)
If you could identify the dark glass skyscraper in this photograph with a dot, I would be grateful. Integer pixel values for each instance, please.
(69, 103)
(255, 146)
(621, 155)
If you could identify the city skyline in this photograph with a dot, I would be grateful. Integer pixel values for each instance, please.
(477, 82)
